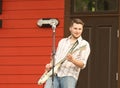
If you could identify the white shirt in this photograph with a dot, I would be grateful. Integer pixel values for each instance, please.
(68, 68)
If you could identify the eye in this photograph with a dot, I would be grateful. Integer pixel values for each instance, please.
(75, 28)
(80, 28)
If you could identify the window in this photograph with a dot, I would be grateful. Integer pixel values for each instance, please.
(94, 5)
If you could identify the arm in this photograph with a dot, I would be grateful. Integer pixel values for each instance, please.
(75, 61)
(81, 57)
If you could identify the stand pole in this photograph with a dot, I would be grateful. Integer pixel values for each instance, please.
(53, 53)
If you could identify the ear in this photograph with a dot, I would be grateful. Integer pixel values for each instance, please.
(70, 29)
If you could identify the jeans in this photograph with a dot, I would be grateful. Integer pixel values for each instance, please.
(61, 82)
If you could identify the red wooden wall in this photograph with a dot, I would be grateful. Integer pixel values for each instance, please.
(24, 47)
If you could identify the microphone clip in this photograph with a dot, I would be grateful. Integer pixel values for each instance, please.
(48, 22)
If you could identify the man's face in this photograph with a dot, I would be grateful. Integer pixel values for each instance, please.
(76, 30)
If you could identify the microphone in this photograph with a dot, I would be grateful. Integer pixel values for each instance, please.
(48, 22)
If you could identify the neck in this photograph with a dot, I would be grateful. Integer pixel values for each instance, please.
(73, 39)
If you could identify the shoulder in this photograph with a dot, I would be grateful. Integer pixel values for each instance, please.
(63, 40)
(84, 42)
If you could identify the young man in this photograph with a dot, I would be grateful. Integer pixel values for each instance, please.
(76, 59)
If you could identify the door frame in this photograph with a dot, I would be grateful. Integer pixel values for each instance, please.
(67, 20)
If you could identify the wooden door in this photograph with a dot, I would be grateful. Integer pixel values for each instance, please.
(101, 70)
(101, 31)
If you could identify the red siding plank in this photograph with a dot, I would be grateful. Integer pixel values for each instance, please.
(24, 60)
(28, 14)
(19, 79)
(26, 23)
(8, 85)
(27, 41)
(22, 70)
(36, 4)
(25, 50)
(32, 33)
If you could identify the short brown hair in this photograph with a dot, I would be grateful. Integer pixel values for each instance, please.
(77, 21)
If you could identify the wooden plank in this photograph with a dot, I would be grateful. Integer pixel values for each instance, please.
(25, 23)
(29, 14)
(27, 41)
(20, 85)
(25, 51)
(32, 4)
(24, 60)
(35, 32)
(26, 79)
(22, 70)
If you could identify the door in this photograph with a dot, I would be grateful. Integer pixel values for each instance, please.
(100, 31)
(102, 68)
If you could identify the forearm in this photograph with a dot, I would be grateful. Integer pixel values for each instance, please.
(77, 63)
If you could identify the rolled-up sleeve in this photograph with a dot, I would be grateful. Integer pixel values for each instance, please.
(84, 54)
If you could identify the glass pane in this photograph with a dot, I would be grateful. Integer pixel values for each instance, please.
(95, 5)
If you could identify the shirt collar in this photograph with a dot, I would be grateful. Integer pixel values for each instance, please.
(79, 39)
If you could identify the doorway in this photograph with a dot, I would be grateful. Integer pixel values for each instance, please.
(100, 31)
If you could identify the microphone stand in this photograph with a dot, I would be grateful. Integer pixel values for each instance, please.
(53, 52)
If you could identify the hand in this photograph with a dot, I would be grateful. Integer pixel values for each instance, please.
(48, 67)
(69, 57)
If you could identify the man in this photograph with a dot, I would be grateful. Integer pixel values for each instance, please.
(75, 60)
